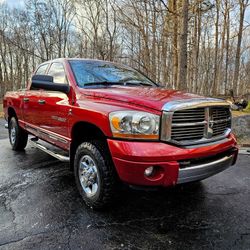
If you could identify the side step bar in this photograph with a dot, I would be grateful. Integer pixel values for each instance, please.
(34, 143)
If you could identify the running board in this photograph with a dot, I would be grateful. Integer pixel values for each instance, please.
(34, 142)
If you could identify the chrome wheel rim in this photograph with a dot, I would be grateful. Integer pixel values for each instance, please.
(88, 175)
(12, 134)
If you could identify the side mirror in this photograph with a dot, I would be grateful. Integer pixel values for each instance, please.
(46, 82)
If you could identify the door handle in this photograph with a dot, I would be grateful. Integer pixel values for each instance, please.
(25, 99)
(41, 101)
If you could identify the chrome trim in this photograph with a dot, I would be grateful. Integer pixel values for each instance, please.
(166, 122)
(34, 143)
(193, 103)
(55, 138)
(89, 176)
(219, 121)
(202, 141)
(202, 171)
(207, 117)
(189, 124)
(206, 103)
(43, 132)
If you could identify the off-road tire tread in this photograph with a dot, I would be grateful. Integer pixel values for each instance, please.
(108, 174)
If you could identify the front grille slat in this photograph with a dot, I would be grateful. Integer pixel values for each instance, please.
(189, 114)
(203, 123)
(189, 128)
(183, 138)
(219, 129)
(187, 136)
(188, 124)
(188, 118)
(189, 133)
(220, 121)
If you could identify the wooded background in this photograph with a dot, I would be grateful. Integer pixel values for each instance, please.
(198, 46)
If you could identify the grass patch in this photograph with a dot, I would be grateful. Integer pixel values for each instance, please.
(247, 109)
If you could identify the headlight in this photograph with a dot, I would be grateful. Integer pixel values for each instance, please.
(134, 125)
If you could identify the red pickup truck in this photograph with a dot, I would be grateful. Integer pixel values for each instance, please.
(114, 123)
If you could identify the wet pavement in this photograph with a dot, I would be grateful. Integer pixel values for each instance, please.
(40, 208)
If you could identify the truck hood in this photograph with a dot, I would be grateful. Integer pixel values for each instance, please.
(153, 98)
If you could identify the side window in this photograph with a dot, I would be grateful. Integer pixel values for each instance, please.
(57, 71)
(42, 69)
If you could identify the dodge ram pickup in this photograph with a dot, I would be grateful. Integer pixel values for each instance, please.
(112, 124)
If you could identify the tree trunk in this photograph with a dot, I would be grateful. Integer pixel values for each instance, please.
(243, 5)
(175, 43)
(182, 69)
(215, 78)
(227, 51)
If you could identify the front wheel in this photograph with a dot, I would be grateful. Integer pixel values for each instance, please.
(18, 137)
(94, 174)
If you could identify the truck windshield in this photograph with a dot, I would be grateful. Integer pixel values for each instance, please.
(100, 73)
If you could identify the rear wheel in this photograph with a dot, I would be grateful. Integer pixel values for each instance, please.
(18, 137)
(94, 174)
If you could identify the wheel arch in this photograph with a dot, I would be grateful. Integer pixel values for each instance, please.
(11, 113)
(84, 131)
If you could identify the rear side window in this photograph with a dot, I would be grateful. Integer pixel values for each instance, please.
(57, 71)
(42, 69)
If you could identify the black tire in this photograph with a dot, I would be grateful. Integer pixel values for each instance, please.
(106, 178)
(17, 136)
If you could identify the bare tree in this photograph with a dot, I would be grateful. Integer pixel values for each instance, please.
(182, 65)
(243, 4)
(200, 46)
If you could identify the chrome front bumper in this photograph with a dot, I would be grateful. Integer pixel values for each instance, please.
(202, 171)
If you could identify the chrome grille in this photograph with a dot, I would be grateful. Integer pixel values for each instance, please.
(196, 125)
(189, 115)
(220, 120)
(219, 113)
(188, 133)
(188, 124)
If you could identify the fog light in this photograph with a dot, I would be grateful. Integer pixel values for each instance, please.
(149, 171)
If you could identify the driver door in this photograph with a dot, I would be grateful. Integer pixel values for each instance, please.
(54, 107)
(31, 105)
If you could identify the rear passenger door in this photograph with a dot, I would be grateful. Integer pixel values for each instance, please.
(54, 107)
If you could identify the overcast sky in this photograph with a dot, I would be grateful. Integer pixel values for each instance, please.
(13, 3)
(20, 3)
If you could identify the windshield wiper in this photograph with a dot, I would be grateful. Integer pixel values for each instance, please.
(102, 83)
(138, 83)
(108, 83)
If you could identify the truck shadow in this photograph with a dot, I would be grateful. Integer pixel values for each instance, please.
(160, 210)
(143, 217)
